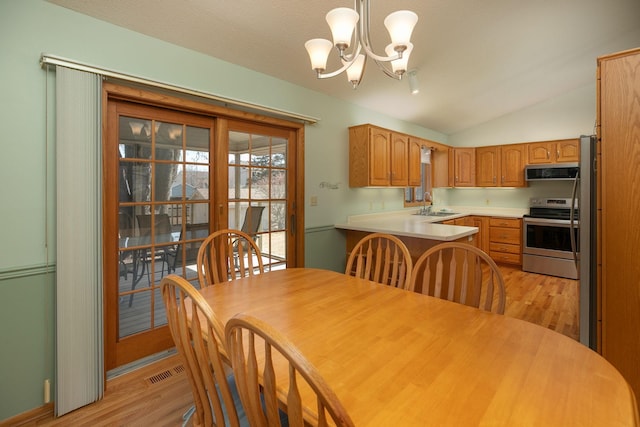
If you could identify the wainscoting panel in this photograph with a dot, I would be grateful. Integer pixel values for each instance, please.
(27, 336)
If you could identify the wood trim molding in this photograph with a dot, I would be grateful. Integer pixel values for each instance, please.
(29, 417)
(183, 103)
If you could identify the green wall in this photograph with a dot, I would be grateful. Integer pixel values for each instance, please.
(29, 28)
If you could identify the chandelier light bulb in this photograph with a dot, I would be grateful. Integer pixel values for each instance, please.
(354, 72)
(400, 26)
(399, 66)
(318, 50)
(342, 22)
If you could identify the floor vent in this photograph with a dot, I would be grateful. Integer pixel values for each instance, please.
(165, 375)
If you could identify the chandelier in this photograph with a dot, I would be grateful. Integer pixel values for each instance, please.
(342, 22)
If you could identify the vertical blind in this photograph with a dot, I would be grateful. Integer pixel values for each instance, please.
(79, 355)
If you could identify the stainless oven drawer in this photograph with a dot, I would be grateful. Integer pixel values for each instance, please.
(551, 266)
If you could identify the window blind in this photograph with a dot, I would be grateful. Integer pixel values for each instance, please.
(79, 353)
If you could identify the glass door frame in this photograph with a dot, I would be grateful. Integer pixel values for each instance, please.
(218, 178)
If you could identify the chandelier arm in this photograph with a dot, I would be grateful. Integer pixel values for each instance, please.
(384, 69)
(362, 32)
(349, 61)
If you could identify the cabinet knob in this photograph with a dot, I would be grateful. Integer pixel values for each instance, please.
(548, 155)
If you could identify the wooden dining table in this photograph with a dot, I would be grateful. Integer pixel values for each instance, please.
(398, 358)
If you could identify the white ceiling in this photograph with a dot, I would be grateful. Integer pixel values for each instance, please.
(476, 60)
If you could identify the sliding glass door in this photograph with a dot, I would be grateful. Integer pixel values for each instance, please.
(161, 197)
(260, 189)
(174, 172)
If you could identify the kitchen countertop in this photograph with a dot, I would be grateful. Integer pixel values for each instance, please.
(405, 223)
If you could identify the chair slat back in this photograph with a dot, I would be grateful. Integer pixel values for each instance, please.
(381, 258)
(252, 218)
(255, 348)
(228, 255)
(199, 343)
(462, 273)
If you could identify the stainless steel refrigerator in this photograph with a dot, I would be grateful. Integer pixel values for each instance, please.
(585, 248)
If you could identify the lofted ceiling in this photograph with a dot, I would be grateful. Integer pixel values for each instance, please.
(475, 60)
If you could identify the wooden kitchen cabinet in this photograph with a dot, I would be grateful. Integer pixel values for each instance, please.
(501, 166)
(380, 158)
(482, 222)
(399, 170)
(481, 238)
(440, 167)
(462, 167)
(488, 166)
(513, 159)
(505, 240)
(414, 161)
(560, 151)
(618, 156)
(416, 245)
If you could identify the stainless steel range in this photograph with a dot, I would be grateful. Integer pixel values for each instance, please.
(550, 237)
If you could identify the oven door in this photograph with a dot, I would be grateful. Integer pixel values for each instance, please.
(548, 237)
(546, 247)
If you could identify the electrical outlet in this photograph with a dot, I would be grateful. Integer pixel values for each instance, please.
(486, 202)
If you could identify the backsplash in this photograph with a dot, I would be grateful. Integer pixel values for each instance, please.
(501, 197)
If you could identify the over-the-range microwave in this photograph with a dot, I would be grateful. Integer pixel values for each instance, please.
(553, 172)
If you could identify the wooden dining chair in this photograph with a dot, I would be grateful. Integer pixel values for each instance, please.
(228, 255)
(381, 258)
(461, 273)
(200, 344)
(257, 382)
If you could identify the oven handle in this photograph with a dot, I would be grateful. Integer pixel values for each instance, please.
(572, 218)
(549, 221)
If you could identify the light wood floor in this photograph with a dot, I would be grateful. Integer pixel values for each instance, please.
(134, 400)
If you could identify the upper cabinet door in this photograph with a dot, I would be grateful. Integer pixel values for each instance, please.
(541, 152)
(399, 159)
(568, 150)
(488, 166)
(464, 167)
(513, 161)
(415, 164)
(379, 156)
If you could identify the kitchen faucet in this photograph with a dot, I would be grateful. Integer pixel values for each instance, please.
(426, 209)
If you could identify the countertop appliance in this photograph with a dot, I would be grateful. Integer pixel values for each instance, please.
(550, 237)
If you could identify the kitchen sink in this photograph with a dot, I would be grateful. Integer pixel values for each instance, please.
(437, 213)
(441, 213)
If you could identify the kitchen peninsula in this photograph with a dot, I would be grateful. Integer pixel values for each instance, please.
(420, 232)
